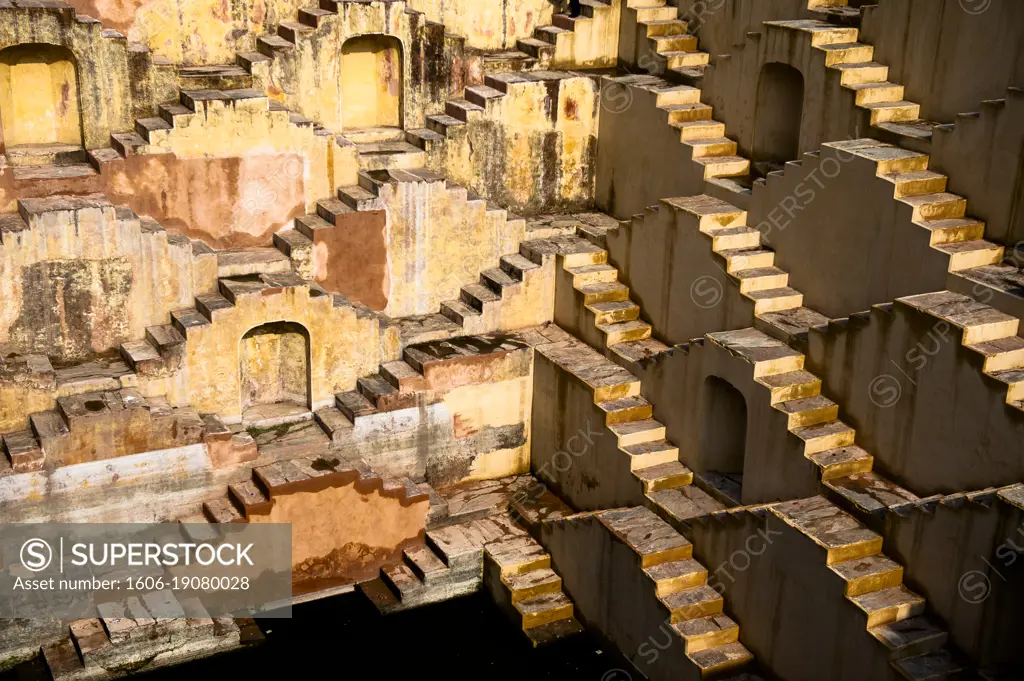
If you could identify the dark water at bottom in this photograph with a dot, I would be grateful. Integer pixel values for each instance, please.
(345, 637)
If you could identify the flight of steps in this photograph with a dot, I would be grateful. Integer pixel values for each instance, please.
(615, 326)
(693, 608)
(652, 460)
(895, 616)
(477, 309)
(155, 627)
(478, 102)
(709, 148)
(888, 111)
(811, 417)
(663, 44)
(942, 214)
(400, 384)
(148, 131)
(494, 551)
(985, 331)
(979, 263)
(555, 44)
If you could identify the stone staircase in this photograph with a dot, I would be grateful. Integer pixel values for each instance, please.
(401, 384)
(154, 627)
(613, 325)
(692, 607)
(894, 615)
(883, 101)
(492, 551)
(942, 214)
(714, 154)
(577, 42)
(149, 133)
(813, 419)
(479, 102)
(478, 308)
(662, 44)
(985, 331)
(652, 460)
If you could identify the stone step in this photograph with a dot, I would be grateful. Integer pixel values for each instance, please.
(353, 405)
(889, 605)
(527, 585)
(246, 261)
(221, 511)
(518, 554)
(599, 273)
(761, 279)
(911, 636)
(680, 505)
(841, 462)
(654, 453)
(249, 498)
(869, 573)
(687, 604)
(650, 537)
(637, 432)
(626, 409)
(978, 322)
(614, 311)
(940, 665)
(792, 385)
(822, 437)
(968, 255)
(424, 563)
(677, 575)
(544, 609)
(624, 332)
(720, 660)
(953, 230)
(604, 292)
(809, 411)
(847, 53)
(914, 182)
(544, 634)
(837, 532)
(710, 631)
(664, 27)
(663, 476)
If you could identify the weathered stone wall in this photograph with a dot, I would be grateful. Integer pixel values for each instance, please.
(614, 595)
(488, 24)
(963, 553)
(531, 150)
(344, 531)
(431, 65)
(194, 32)
(436, 240)
(101, 63)
(674, 275)
(343, 346)
(635, 171)
(81, 276)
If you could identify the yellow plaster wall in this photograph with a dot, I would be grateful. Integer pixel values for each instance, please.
(488, 24)
(437, 241)
(371, 82)
(39, 96)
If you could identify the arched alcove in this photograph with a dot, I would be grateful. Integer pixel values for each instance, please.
(274, 368)
(371, 82)
(780, 101)
(723, 430)
(38, 99)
